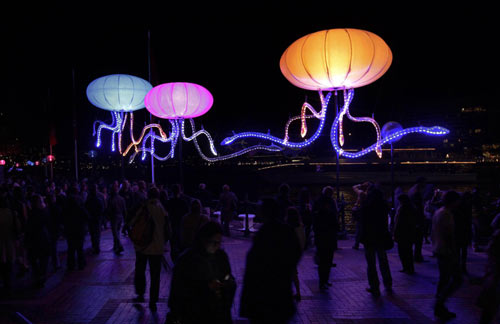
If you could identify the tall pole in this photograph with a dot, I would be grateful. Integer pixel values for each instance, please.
(151, 117)
(75, 135)
(392, 176)
(49, 110)
(51, 164)
(338, 157)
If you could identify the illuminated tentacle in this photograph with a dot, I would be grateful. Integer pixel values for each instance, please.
(435, 131)
(152, 137)
(285, 142)
(124, 117)
(303, 116)
(378, 150)
(196, 134)
(272, 148)
(115, 127)
(174, 135)
(134, 142)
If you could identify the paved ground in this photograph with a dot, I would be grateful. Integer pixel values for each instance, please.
(103, 292)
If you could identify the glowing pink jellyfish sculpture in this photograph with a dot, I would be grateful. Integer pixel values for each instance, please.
(176, 102)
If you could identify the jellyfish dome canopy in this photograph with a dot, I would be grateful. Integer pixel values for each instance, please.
(118, 92)
(343, 58)
(177, 100)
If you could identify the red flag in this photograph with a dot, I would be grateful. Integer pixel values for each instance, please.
(52, 136)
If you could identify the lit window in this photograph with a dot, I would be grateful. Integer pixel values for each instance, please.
(477, 130)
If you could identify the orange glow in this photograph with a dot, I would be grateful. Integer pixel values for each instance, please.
(342, 58)
(134, 143)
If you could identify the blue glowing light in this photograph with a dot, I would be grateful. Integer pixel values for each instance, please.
(285, 142)
(115, 127)
(391, 134)
(118, 92)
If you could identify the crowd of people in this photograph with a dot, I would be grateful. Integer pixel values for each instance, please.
(33, 217)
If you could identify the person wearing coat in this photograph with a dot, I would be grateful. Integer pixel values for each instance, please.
(75, 219)
(325, 227)
(375, 237)
(9, 232)
(271, 265)
(152, 253)
(37, 239)
(405, 232)
(203, 287)
(95, 207)
(191, 224)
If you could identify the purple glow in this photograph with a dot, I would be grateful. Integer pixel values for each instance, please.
(178, 100)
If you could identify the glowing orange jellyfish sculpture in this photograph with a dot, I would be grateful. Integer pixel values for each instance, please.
(332, 60)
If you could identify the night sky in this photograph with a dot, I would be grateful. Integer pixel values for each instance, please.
(443, 59)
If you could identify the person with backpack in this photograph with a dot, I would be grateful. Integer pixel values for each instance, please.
(148, 233)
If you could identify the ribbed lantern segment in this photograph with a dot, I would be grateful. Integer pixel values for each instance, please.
(336, 59)
(178, 100)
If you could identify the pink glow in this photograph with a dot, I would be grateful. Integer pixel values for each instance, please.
(2, 162)
(178, 100)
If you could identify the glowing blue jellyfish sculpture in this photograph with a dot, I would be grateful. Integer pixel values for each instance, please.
(120, 94)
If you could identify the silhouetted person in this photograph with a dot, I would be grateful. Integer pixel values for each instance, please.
(283, 199)
(202, 288)
(489, 299)
(95, 208)
(205, 197)
(416, 194)
(463, 228)
(191, 224)
(294, 220)
(445, 248)
(75, 227)
(430, 208)
(325, 227)
(361, 191)
(373, 236)
(270, 268)
(127, 194)
(152, 253)
(9, 232)
(19, 206)
(176, 208)
(117, 209)
(55, 224)
(404, 232)
(305, 210)
(228, 204)
(37, 239)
